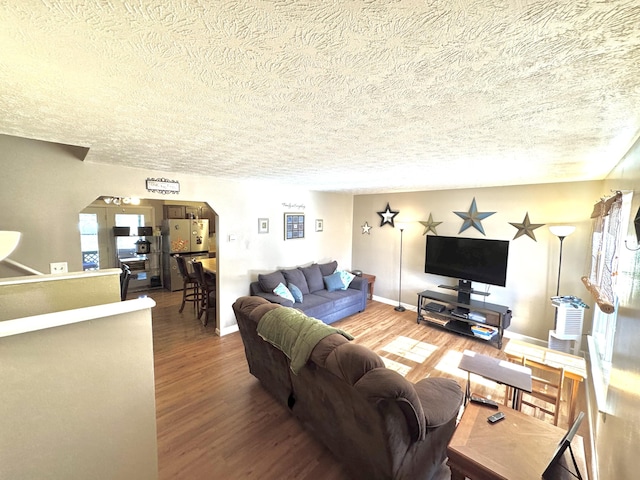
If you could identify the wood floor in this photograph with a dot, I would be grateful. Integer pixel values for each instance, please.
(215, 421)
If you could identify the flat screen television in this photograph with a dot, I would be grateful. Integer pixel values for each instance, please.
(468, 259)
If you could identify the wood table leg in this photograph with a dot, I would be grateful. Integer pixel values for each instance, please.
(573, 395)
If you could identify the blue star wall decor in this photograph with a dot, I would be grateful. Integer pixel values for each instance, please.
(473, 218)
(526, 228)
(366, 228)
(387, 216)
(430, 225)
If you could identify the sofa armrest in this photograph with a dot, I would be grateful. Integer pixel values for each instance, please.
(382, 384)
(273, 298)
(440, 399)
(359, 283)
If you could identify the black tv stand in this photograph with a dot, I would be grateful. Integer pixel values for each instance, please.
(478, 319)
(464, 290)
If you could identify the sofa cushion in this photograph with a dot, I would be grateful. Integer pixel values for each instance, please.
(259, 310)
(328, 268)
(295, 291)
(325, 347)
(282, 291)
(351, 361)
(248, 305)
(296, 277)
(333, 282)
(269, 281)
(314, 277)
(440, 398)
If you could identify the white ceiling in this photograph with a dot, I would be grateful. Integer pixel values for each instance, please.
(359, 96)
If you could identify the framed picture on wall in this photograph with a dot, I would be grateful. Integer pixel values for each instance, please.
(319, 224)
(263, 225)
(293, 226)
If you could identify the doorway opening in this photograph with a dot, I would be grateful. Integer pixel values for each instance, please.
(141, 239)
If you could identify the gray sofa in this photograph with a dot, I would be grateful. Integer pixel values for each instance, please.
(377, 423)
(318, 301)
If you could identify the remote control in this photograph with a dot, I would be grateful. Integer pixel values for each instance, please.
(484, 401)
(496, 417)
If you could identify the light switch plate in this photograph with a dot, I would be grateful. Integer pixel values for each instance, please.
(59, 267)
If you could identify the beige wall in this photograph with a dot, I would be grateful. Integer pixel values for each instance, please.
(40, 294)
(43, 188)
(533, 265)
(78, 395)
(618, 431)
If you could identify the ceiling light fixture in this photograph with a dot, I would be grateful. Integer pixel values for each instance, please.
(121, 200)
(8, 242)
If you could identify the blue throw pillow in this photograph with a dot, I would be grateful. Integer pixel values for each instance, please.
(333, 282)
(283, 292)
(295, 291)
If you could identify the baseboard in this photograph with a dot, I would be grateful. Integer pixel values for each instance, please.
(226, 330)
(394, 303)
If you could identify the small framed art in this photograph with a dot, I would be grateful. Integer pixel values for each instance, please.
(263, 225)
(319, 224)
(293, 226)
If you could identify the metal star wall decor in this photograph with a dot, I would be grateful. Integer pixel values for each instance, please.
(473, 218)
(366, 228)
(526, 228)
(387, 216)
(430, 225)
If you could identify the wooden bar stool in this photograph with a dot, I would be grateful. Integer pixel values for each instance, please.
(207, 284)
(190, 289)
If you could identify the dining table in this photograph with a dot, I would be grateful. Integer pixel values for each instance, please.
(209, 265)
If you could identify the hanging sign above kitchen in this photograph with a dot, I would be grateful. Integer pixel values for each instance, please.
(163, 185)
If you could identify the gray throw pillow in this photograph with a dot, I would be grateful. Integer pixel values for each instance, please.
(296, 277)
(314, 277)
(328, 268)
(269, 281)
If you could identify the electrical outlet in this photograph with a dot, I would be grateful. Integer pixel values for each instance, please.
(59, 267)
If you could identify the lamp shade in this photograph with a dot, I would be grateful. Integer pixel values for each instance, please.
(562, 230)
(8, 242)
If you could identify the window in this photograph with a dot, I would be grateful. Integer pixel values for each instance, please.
(89, 241)
(611, 217)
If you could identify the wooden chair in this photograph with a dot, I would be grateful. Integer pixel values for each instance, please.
(207, 285)
(546, 384)
(190, 290)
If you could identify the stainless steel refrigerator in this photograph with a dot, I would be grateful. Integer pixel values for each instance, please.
(187, 237)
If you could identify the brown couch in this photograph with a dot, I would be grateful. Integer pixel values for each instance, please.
(380, 425)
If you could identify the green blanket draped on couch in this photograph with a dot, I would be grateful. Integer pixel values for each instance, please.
(295, 334)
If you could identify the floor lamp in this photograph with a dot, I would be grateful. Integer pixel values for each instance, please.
(560, 231)
(400, 308)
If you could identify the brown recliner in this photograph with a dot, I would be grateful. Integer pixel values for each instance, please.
(380, 425)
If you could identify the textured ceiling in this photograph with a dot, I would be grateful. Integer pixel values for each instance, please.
(356, 96)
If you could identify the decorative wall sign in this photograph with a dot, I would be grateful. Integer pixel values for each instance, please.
(430, 225)
(263, 225)
(319, 224)
(293, 226)
(163, 185)
(526, 228)
(387, 216)
(473, 218)
(297, 206)
(366, 228)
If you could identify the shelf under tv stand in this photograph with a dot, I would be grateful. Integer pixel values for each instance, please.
(488, 320)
